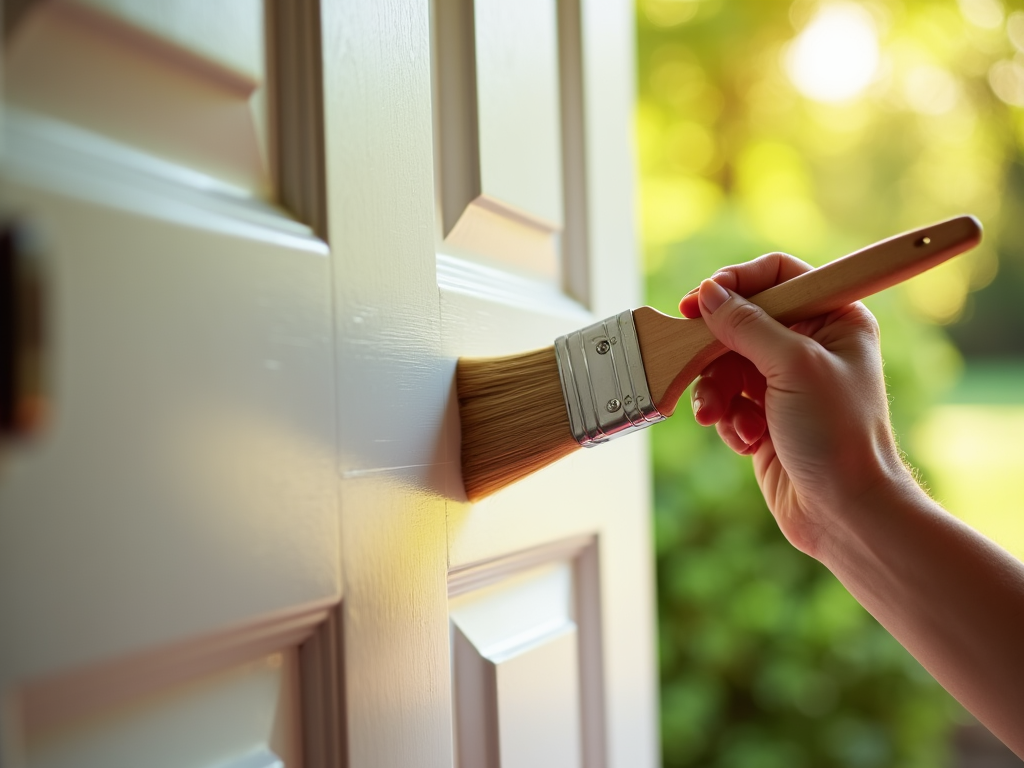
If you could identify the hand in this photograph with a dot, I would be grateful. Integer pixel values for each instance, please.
(808, 403)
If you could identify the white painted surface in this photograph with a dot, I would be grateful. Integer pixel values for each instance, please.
(241, 718)
(228, 32)
(518, 106)
(206, 427)
(517, 667)
(498, 132)
(185, 481)
(403, 525)
(517, 610)
(541, 731)
(184, 490)
(604, 491)
(392, 384)
(128, 76)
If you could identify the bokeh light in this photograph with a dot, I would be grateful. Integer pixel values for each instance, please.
(816, 127)
(931, 90)
(982, 13)
(1007, 80)
(835, 57)
(670, 13)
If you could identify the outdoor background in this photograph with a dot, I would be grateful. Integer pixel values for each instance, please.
(817, 128)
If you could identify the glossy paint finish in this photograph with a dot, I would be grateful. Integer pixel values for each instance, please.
(240, 718)
(407, 306)
(184, 490)
(185, 481)
(392, 382)
(226, 383)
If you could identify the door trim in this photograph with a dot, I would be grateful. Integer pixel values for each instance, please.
(64, 697)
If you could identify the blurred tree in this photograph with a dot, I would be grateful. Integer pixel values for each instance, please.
(816, 128)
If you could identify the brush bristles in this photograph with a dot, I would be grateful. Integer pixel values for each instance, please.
(513, 418)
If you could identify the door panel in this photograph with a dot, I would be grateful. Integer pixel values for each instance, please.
(177, 518)
(246, 717)
(602, 493)
(527, 658)
(215, 405)
(229, 34)
(184, 482)
(410, 301)
(150, 76)
(500, 173)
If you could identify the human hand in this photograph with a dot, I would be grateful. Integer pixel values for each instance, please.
(807, 403)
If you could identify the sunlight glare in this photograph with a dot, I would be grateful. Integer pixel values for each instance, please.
(1007, 80)
(1015, 29)
(982, 13)
(670, 13)
(835, 56)
(931, 90)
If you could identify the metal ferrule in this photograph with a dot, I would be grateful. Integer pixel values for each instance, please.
(604, 382)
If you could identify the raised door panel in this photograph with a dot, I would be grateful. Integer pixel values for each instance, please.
(499, 132)
(152, 76)
(402, 135)
(177, 516)
(243, 717)
(184, 481)
(527, 659)
(490, 308)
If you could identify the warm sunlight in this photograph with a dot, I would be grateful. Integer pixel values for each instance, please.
(835, 56)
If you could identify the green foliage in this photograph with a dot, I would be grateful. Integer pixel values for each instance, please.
(765, 658)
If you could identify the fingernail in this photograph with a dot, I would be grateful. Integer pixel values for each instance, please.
(712, 295)
(697, 405)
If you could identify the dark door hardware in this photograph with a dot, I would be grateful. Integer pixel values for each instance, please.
(22, 333)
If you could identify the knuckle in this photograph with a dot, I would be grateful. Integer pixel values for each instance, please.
(804, 355)
(871, 324)
(745, 316)
(773, 258)
(727, 277)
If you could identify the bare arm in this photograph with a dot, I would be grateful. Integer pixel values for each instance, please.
(809, 406)
(952, 598)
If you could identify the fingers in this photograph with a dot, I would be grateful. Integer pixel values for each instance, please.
(764, 272)
(730, 395)
(744, 426)
(689, 306)
(747, 329)
(749, 278)
(723, 380)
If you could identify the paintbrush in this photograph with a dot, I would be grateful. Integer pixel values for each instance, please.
(522, 412)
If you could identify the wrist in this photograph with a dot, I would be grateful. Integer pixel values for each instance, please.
(860, 517)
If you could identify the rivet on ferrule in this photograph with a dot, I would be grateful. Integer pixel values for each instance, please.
(604, 382)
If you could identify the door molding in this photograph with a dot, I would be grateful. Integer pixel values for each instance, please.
(64, 697)
(582, 553)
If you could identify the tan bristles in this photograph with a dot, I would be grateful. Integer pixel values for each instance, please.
(513, 417)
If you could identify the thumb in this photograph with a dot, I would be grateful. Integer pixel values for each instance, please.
(747, 329)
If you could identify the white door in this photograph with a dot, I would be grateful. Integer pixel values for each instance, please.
(169, 545)
(480, 203)
(170, 538)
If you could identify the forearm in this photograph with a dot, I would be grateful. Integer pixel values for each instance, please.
(953, 598)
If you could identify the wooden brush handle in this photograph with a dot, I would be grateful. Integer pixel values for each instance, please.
(676, 350)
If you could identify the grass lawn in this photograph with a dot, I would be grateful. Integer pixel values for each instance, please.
(971, 448)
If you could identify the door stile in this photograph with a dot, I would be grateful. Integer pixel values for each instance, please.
(392, 382)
